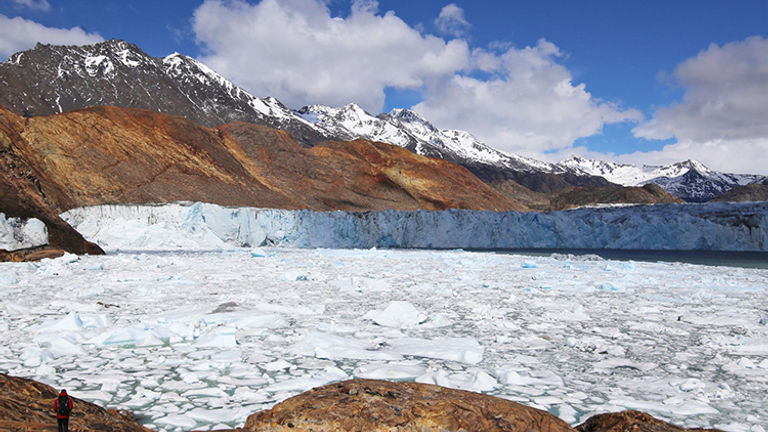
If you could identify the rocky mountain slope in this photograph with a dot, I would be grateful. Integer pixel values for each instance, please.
(119, 155)
(751, 192)
(689, 180)
(21, 196)
(51, 79)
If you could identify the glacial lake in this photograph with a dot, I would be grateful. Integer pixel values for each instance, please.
(758, 260)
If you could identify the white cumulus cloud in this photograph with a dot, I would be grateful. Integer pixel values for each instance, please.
(516, 99)
(17, 34)
(296, 51)
(451, 21)
(524, 103)
(722, 119)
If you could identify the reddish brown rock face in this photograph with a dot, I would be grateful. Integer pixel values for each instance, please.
(27, 406)
(119, 155)
(373, 406)
(21, 196)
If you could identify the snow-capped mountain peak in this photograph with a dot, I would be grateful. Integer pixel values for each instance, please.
(50, 79)
(689, 179)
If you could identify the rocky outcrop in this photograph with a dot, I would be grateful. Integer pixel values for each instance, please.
(378, 406)
(31, 254)
(631, 421)
(27, 406)
(121, 155)
(751, 192)
(21, 193)
(573, 197)
(584, 196)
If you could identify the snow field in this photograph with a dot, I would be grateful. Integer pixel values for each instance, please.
(203, 339)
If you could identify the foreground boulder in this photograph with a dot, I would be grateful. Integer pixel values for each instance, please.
(26, 406)
(372, 405)
(631, 421)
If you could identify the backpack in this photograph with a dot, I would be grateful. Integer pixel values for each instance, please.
(62, 406)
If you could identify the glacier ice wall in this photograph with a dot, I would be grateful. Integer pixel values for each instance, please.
(717, 226)
(18, 233)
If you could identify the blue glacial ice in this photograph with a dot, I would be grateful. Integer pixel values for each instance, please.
(195, 226)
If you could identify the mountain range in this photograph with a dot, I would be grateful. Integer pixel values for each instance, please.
(52, 79)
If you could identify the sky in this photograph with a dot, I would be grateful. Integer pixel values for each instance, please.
(643, 82)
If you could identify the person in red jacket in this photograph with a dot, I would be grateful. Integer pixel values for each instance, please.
(63, 406)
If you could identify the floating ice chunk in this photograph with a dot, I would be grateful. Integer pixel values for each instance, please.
(529, 265)
(398, 314)
(276, 365)
(680, 405)
(466, 350)
(617, 363)
(567, 414)
(333, 327)
(537, 378)
(242, 320)
(46, 370)
(59, 347)
(595, 344)
(31, 356)
(334, 347)
(10, 277)
(258, 253)
(211, 416)
(752, 346)
(436, 321)
(327, 375)
(205, 392)
(91, 321)
(221, 337)
(94, 395)
(396, 371)
(69, 323)
(176, 420)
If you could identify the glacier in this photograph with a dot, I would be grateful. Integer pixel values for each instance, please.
(202, 226)
(20, 233)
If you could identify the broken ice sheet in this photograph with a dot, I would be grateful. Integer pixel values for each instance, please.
(683, 342)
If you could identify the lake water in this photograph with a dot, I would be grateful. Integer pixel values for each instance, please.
(711, 258)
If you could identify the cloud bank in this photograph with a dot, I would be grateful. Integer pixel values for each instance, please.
(298, 52)
(723, 117)
(17, 34)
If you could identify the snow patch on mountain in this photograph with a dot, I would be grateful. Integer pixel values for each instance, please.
(405, 128)
(690, 180)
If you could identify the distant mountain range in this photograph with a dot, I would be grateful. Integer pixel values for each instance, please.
(52, 79)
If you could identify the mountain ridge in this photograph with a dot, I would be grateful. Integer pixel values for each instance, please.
(49, 79)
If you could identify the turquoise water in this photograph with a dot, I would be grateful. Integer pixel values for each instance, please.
(711, 258)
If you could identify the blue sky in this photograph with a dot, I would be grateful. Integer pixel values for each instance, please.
(626, 54)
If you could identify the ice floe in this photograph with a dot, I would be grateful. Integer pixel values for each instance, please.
(199, 340)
